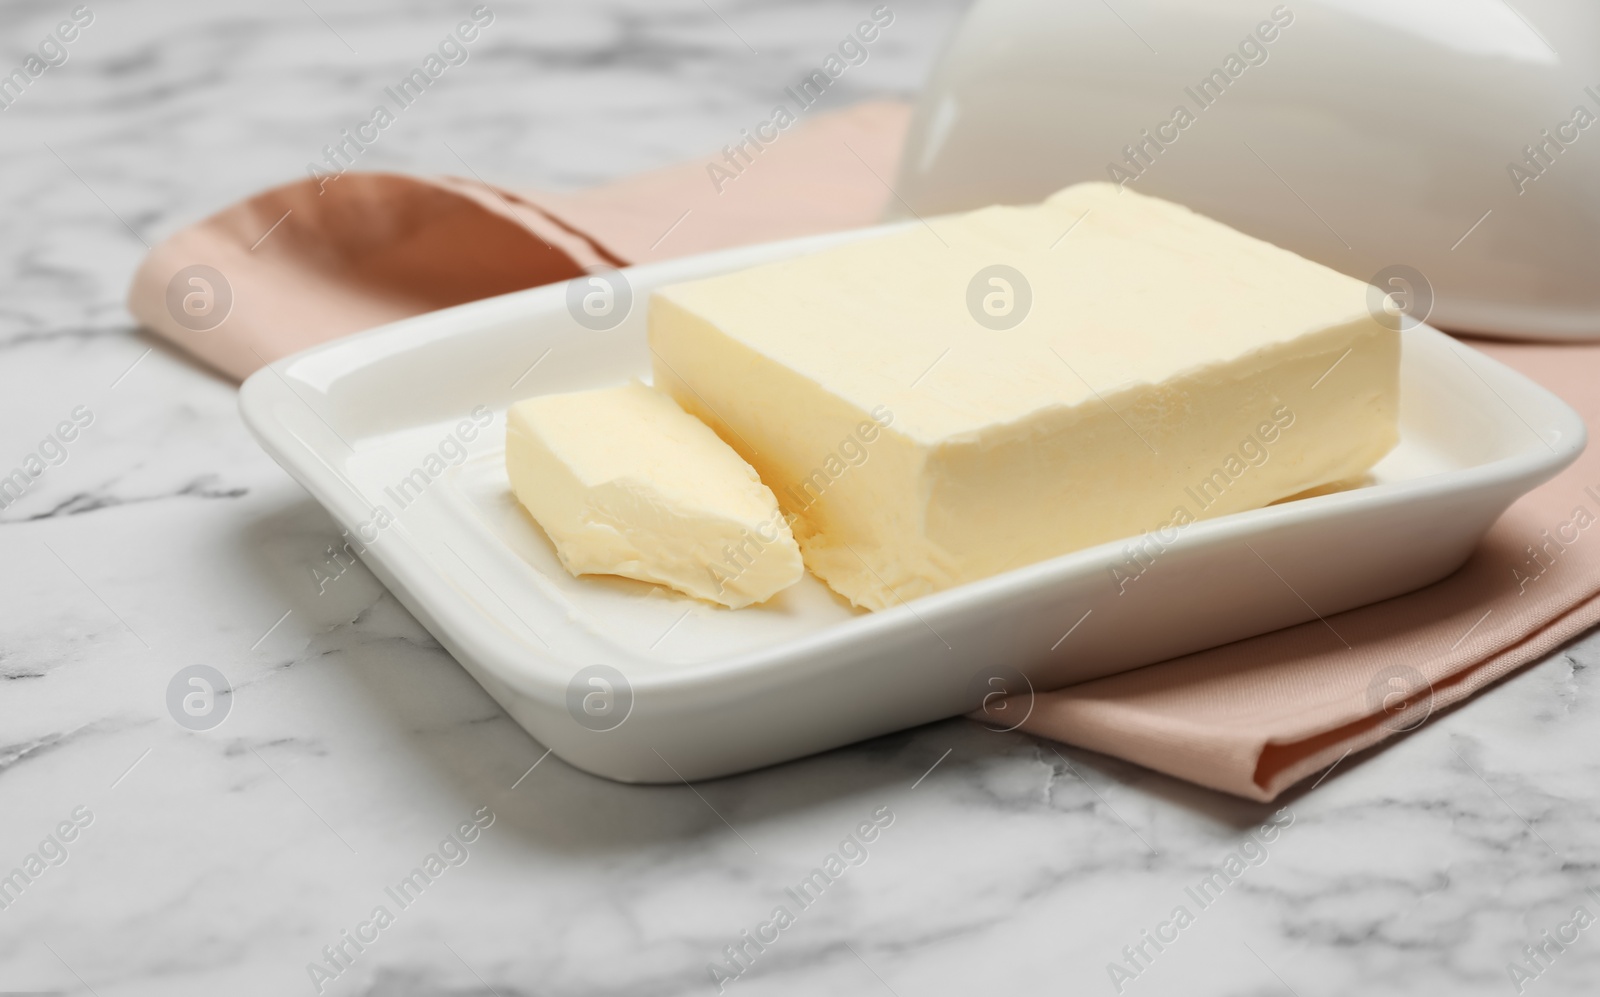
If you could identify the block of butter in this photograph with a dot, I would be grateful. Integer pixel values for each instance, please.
(1033, 380)
(625, 482)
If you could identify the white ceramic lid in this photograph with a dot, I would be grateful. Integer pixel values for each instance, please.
(1380, 137)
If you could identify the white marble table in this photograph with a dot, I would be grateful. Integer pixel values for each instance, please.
(224, 861)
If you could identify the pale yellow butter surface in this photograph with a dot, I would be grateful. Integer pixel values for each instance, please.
(625, 482)
(1168, 369)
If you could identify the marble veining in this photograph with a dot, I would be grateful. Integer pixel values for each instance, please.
(225, 861)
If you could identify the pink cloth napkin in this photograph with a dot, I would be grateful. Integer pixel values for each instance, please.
(1250, 718)
(1256, 716)
(302, 264)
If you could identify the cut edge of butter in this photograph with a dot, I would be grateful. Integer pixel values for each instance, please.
(625, 482)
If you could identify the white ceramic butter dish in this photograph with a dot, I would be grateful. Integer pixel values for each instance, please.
(637, 683)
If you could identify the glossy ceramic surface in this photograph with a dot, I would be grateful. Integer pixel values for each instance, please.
(1451, 146)
(684, 689)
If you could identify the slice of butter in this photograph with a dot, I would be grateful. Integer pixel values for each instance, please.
(625, 482)
(983, 391)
